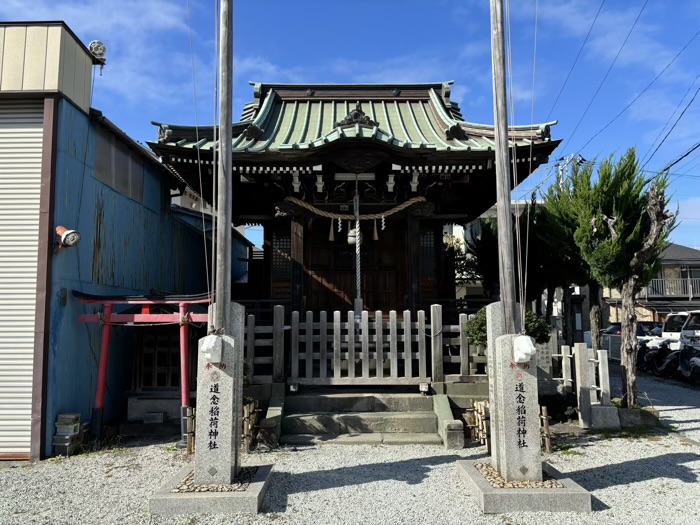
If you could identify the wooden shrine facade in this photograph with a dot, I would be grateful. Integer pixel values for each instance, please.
(302, 152)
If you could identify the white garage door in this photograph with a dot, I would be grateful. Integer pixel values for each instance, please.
(21, 131)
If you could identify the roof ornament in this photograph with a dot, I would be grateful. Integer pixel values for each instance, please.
(164, 133)
(455, 131)
(254, 132)
(356, 116)
(310, 92)
(396, 92)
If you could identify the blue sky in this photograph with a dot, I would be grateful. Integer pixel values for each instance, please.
(149, 70)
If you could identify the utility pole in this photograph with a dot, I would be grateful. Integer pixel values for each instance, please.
(224, 180)
(505, 222)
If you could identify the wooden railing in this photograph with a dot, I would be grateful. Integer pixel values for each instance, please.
(338, 348)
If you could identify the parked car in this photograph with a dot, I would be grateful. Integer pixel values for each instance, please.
(690, 333)
(672, 329)
(645, 329)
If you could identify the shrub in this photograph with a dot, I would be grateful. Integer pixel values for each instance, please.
(535, 326)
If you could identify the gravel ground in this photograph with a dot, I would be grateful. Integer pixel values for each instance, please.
(648, 478)
(678, 403)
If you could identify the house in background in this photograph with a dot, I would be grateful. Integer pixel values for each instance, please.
(675, 289)
(63, 163)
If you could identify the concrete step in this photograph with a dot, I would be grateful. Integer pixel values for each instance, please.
(356, 402)
(360, 423)
(375, 438)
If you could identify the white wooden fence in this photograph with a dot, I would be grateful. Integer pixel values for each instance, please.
(374, 348)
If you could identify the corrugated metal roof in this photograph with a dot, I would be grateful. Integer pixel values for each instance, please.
(288, 117)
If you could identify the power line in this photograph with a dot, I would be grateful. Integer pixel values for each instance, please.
(669, 132)
(641, 93)
(575, 60)
(606, 74)
(670, 165)
(672, 115)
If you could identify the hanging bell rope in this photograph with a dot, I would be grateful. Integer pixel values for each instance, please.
(331, 237)
(376, 235)
(346, 216)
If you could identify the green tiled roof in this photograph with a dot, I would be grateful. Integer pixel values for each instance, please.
(288, 117)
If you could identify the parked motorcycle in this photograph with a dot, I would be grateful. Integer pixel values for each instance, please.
(658, 362)
(642, 350)
(689, 363)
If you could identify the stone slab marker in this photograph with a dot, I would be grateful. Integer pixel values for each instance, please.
(518, 450)
(495, 328)
(219, 403)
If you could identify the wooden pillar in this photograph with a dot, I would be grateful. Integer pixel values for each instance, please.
(297, 254)
(98, 407)
(412, 253)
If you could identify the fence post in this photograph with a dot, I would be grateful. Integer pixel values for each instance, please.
(336, 344)
(364, 338)
(583, 384)
(309, 344)
(250, 348)
(422, 358)
(278, 344)
(323, 343)
(379, 343)
(566, 368)
(393, 345)
(436, 342)
(604, 374)
(295, 346)
(463, 346)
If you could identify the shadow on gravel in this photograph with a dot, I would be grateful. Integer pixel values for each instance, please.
(413, 471)
(669, 466)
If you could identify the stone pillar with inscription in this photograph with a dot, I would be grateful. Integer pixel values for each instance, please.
(219, 403)
(495, 328)
(518, 451)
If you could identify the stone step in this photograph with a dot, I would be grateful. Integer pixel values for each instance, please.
(359, 422)
(356, 402)
(374, 438)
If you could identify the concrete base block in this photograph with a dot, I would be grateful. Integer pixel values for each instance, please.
(166, 503)
(373, 438)
(638, 417)
(571, 498)
(604, 418)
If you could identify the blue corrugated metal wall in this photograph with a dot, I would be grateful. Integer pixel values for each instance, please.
(126, 247)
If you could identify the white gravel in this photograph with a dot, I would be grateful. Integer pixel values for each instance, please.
(644, 479)
(678, 402)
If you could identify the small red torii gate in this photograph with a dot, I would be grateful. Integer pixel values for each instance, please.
(107, 318)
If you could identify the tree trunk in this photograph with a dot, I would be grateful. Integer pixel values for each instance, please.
(628, 350)
(568, 320)
(550, 303)
(595, 314)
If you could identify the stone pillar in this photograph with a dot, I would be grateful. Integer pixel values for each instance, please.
(495, 328)
(219, 403)
(518, 449)
(583, 384)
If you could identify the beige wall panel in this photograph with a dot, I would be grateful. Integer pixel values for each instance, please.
(53, 55)
(35, 58)
(79, 90)
(2, 46)
(13, 59)
(67, 81)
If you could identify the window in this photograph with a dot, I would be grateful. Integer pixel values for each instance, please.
(693, 323)
(281, 256)
(674, 323)
(427, 254)
(117, 166)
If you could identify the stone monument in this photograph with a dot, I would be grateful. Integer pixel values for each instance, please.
(516, 455)
(218, 434)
